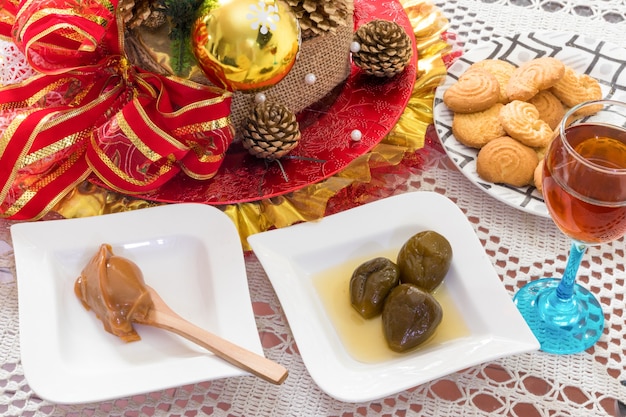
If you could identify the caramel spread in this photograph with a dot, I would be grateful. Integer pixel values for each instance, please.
(114, 288)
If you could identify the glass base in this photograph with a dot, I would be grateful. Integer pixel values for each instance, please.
(561, 327)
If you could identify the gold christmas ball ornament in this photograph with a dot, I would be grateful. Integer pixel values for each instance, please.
(245, 45)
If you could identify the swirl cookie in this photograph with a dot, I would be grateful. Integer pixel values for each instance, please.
(575, 88)
(474, 91)
(550, 108)
(506, 161)
(476, 129)
(500, 69)
(521, 121)
(541, 152)
(534, 76)
(538, 176)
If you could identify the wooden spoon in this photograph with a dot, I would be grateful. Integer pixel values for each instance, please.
(162, 316)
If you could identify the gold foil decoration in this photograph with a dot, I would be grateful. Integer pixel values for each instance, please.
(310, 203)
(88, 200)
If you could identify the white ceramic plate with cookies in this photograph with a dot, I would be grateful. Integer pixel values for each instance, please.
(599, 59)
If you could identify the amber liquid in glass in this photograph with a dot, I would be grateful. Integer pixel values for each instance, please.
(584, 202)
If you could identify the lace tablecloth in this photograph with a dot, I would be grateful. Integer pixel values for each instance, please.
(521, 246)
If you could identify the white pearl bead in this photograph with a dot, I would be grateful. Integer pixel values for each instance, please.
(310, 79)
(259, 98)
(356, 135)
(355, 47)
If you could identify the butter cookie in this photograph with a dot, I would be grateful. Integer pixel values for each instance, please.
(476, 129)
(550, 108)
(521, 121)
(474, 91)
(574, 88)
(500, 69)
(506, 161)
(538, 176)
(541, 152)
(533, 76)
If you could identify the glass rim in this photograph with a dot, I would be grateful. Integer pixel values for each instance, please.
(567, 144)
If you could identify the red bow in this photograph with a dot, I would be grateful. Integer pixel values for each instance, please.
(91, 112)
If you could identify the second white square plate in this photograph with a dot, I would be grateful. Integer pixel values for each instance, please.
(294, 257)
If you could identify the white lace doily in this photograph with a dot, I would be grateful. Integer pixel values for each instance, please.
(521, 246)
(13, 65)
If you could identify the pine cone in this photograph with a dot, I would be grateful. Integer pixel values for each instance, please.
(271, 131)
(385, 48)
(320, 16)
(155, 19)
(135, 12)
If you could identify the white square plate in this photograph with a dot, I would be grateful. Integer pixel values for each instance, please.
(293, 257)
(190, 253)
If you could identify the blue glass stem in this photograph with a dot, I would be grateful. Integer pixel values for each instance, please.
(565, 290)
(560, 307)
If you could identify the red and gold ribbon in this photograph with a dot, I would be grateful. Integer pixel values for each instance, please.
(90, 112)
(8, 10)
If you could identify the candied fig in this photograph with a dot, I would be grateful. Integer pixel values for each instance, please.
(370, 284)
(424, 260)
(410, 317)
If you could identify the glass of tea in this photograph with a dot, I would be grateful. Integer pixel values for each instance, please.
(584, 188)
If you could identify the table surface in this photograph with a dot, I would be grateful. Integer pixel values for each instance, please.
(521, 247)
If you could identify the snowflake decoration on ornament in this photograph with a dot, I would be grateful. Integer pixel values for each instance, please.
(262, 18)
